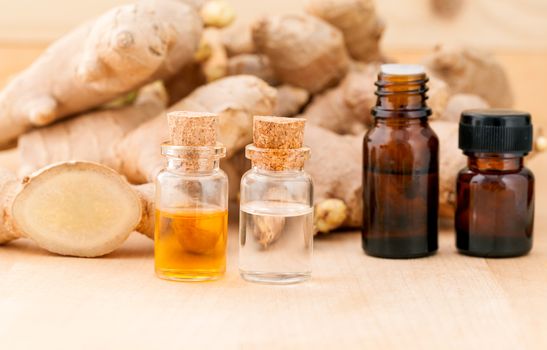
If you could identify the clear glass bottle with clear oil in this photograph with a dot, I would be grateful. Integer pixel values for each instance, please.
(276, 206)
(191, 202)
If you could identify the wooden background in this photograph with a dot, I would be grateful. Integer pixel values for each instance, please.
(446, 301)
(499, 24)
(516, 30)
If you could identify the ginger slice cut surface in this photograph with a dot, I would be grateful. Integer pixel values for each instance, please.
(77, 208)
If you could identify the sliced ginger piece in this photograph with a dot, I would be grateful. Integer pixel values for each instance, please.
(76, 208)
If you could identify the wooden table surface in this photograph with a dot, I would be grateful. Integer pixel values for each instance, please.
(446, 301)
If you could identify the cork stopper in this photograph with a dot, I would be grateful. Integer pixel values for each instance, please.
(192, 128)
(277, 132)
(193, 140)
(278, 143)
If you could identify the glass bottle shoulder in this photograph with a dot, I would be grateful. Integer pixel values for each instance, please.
(289, 187)
(418, 133)
(254, 176)
(401, 147)
(175, 190)
(474, 176)
(170, 175)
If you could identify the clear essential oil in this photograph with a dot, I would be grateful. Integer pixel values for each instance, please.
(276, 207)
(276, 240)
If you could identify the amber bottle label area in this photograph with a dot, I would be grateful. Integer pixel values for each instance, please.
(191, 243)
(401, 194)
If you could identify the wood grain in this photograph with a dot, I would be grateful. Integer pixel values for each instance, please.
(446, 301)
(353, 301)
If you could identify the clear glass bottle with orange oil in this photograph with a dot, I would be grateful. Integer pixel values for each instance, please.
(191, 201)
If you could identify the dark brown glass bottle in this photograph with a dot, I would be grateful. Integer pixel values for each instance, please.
(401, 168)
(495, 193)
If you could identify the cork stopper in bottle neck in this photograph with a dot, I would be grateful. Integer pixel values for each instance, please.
(192, 141)
(278, 144)
(192, 128)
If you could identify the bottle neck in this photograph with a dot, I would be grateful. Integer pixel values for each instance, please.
(495, 162)
(401, 96)
(277, 161)
(200, 166)
(400, 122)
(194, 160)
(277, 173)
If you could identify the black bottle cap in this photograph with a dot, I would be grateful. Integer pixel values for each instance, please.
(495, 131)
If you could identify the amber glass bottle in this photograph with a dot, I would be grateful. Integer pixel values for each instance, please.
(495, 193)
(401, 168)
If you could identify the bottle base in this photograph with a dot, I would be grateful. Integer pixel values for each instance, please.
(400, 248)
(275, 278)
(189, 276)
(493, 255)
(400, 256)
(486, 246)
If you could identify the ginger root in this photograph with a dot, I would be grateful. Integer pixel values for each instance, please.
(133, 149)
(540, 143)
(438, 95)
(472, 71)
(9, 187)
(73, 208)
(92, 136)
(268, 229)
(358, 22)
(215, 66)
(461, 102)
(238, 40)
(217, 13)
(252, 64)
(335, 166)
(123, 49)
(199, 234)
(290, 100)
(304, 50)
(330, 214)
(236, 99)
(186, 80)
(451, 161)
(146, 193)
(345, 109)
